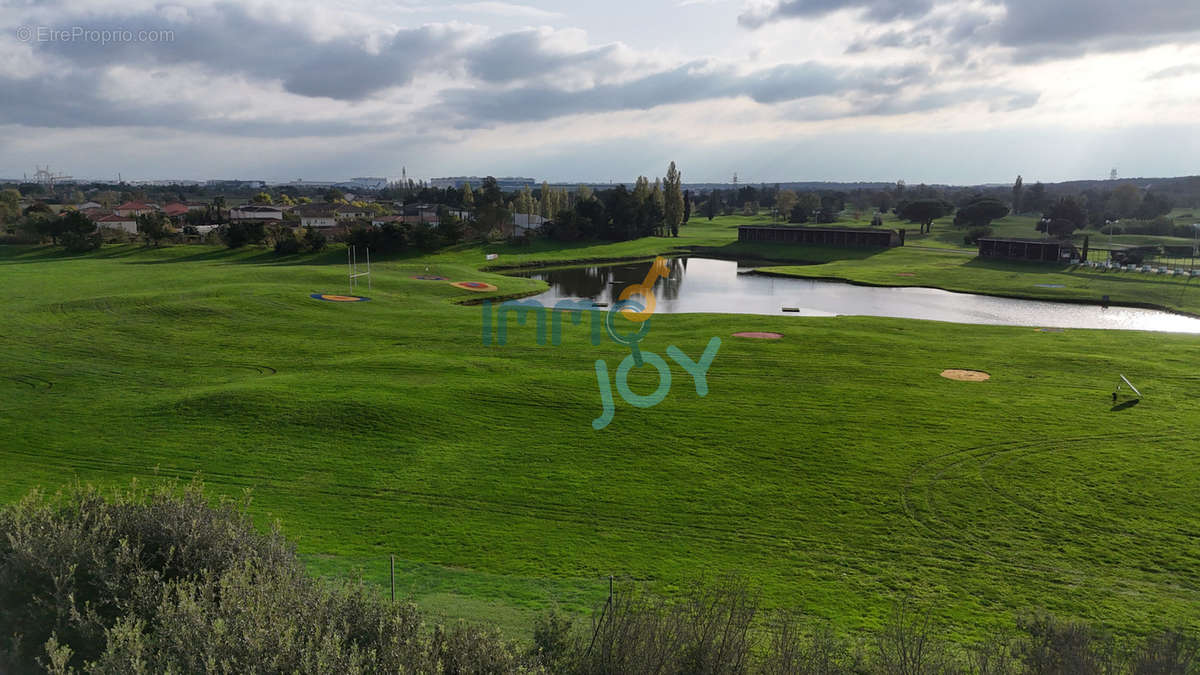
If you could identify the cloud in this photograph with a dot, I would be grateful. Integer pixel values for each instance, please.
(73, 101)
(225, 38)
(508, 9)
(1036, 30)
(874, 10)
(688, 83)
(1175, 71)
(540, 53)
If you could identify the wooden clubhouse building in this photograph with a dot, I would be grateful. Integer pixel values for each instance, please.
(1034, 250)
(843, 237)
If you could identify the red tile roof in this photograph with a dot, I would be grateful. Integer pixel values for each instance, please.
(175, 209)
(133, 206)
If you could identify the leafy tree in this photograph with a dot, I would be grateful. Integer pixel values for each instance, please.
(77, 231)
(1124, 201)
(1018, 191)
(286, 200)
(449, 228)
(980, 212)
(468, 196)
(714, 203)
(925, 211)
(974, 234)
(10, 206)
(673, 197)
(262, 198)
(1066, 216)
(641, 190)
(883, 201)
(806, 208)
(1034, 199)
(287, 243)
(785, 201)
(877, 220)
(1153, 205)
(153, 227)
(236, 235)
(314, 239)
(687, 205)
(491, 213)
(333, 195)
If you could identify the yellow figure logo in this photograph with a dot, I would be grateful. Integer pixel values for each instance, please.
(646, 290)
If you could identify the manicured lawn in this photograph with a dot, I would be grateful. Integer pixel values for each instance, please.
(834, 468)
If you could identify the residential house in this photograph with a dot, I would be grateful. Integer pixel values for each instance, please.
(134, 208)
(255, 212)
(351, 212)
(378, 221)
(118, 222)
(319, 216)
(175, 211)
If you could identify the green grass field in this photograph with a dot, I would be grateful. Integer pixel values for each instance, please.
(835, 468)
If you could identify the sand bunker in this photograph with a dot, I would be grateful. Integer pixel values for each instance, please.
(474, 286)
(965, 375)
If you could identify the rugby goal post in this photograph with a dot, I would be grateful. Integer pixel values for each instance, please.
(353, 267)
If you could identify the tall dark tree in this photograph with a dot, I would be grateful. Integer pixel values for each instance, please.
(712, 206)
(925, 211)
(980, 212)
(490, 211)
(77, 231)
(687, 205)
(153, 227)
(1034, 199)
(1063, 218)
(1018, 190)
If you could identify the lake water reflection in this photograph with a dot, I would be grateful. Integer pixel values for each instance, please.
(722, 287)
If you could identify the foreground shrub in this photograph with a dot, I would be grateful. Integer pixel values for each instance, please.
(162, 581)
(974, 234)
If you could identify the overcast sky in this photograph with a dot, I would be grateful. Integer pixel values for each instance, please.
(928, 91)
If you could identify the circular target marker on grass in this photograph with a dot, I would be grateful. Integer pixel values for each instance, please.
(431, 277)
(478, 286)
(338, 298)
(755, 335)
(965, 375)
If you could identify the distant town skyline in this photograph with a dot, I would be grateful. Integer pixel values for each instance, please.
(949, 91)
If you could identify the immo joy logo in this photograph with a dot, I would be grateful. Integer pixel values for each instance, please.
(634, 311)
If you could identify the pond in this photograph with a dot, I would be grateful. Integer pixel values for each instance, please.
(723, 287)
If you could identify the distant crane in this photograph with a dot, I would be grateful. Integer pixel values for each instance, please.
(44, 177)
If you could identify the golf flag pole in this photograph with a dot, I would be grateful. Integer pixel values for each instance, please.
(1130, 385)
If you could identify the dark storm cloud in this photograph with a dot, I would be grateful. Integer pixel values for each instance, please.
(998, 99)
(1037, 29)
(71, 101)
(686, 84)
(525, 54)
(225, 39)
